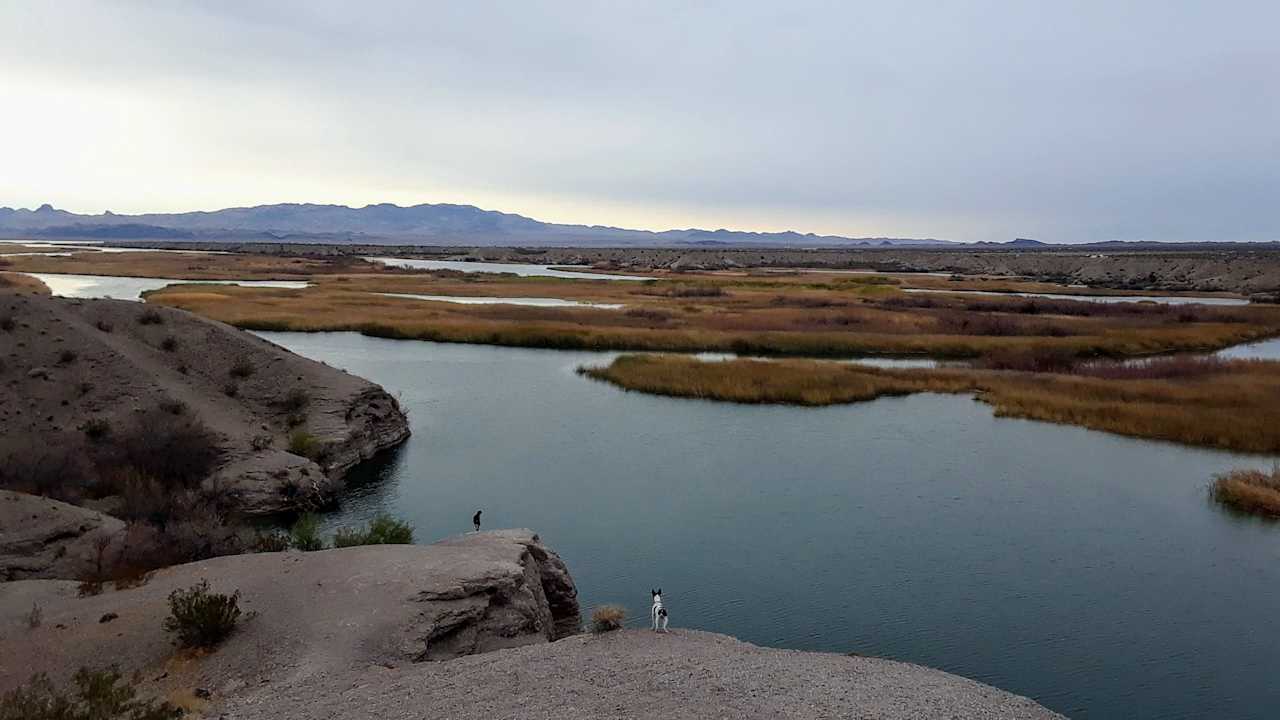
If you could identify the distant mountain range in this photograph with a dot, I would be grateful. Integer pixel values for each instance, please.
(391, 224)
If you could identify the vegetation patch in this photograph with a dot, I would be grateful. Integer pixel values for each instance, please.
(98, 695)
(1250, 491)
(305, 533)
(607, 618)
(381, 530)
(1233, 405)
(201, 618)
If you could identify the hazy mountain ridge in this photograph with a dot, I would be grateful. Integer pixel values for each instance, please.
(392, 223)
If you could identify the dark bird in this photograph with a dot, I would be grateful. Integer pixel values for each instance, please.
(475, 520)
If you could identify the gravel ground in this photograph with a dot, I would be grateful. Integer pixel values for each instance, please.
(638, 673)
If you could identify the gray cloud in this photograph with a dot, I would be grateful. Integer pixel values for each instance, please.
(1068, 121)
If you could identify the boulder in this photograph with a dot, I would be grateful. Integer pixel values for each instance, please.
(44, 538)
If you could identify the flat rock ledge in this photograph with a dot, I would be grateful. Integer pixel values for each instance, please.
(353, 633)
(318, 612)
(44, 538)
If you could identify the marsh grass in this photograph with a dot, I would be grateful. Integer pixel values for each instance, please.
(1248, 490)
(1230, 405)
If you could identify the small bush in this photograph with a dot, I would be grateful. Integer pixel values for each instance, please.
(35, 618)
(99, 695)
(68, 356)
(382, 530)
(176, 451)
(241, 368)
(150, 316)
(295, 400)
(169, 344)
(173, 407)
(305, 444)
(231, 390)
(104, 326)
(201, 618)
(305, 534)
(96, 428)
(6, 323)
(607, 618)
(273, 541)
(261, 442)
(1252, 491)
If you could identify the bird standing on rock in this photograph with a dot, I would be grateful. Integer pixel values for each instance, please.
(475, 520)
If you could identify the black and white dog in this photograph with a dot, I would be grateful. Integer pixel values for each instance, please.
(657, 613)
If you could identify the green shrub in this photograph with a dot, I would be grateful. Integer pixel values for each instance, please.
(382, 530)
(607, 618)
(201, 618)
(273, 541)
(99, 695)
(305, 534)
(305, 444)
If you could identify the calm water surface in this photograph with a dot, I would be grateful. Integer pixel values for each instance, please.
(522, 269)
(531, 301)
(132, 288)
(1085, 570)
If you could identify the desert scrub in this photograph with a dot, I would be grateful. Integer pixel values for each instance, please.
(305, 444)
(98, 695)
(169, 344)
(201, 618)
(273, 541)
(607, 618)
(295, 400)
(241, 368)
(1251, 491)
(6, 323)
(96, 428)
(381, 530)
(305, 533)
(66, 357)
(150, 316)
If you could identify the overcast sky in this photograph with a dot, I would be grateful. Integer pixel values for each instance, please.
(1063, 121)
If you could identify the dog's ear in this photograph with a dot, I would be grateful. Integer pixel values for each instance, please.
(652, 591)
(659, 591)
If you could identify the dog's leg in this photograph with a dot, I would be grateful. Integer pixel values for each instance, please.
(653, 616)
(664, 623)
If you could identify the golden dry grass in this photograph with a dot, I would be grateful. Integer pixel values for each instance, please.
(749, 317)
(1251, 491)
(1234, 406)
(607, 618)
(16, 282)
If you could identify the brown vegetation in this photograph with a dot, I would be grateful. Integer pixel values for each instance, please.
(1230, 405)
(813, 315)
(1251, 491)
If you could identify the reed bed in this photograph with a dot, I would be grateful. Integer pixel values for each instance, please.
(1231, 405)
(742, 318)
(1248, 490)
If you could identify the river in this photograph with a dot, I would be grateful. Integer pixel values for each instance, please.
(1085, 570)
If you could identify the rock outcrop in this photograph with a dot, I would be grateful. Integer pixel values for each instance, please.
(44, 538)
(327, 611)
(341, 633)
(288, 428)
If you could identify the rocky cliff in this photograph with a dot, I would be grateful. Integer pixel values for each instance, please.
(287, 428)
